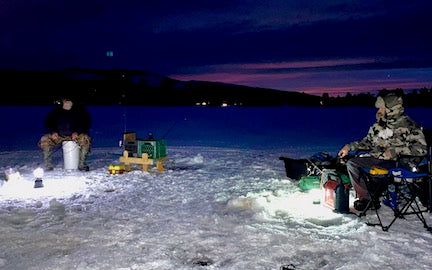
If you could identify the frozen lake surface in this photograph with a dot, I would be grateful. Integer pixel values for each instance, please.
(222, 202)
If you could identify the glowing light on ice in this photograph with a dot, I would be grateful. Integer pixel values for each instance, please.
(299, 205)
(53, 187)
(38, 173)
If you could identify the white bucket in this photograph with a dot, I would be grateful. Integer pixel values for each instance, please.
(70, 155)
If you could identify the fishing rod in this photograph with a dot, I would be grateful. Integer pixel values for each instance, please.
(314, 165)
(172, 127)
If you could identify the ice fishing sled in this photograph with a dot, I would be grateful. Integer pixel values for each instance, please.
(307, 171)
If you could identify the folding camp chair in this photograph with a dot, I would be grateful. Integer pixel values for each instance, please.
(406, 189)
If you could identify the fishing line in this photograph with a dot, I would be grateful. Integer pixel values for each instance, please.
(172, 126)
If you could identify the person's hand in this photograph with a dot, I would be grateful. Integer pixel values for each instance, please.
(54, 136)
(74, 136)
(344, 151)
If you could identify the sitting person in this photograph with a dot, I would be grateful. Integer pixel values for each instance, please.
(67, 122)
(393, 134)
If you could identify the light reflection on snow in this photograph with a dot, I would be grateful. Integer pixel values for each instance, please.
(299, 205)
(23, 188)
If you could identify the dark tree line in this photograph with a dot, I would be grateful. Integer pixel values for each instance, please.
(415, 98)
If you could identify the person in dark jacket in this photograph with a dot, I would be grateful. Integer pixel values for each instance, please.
(393, 134)
(67, 122)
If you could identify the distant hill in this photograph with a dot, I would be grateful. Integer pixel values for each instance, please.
(141, 88)
(137, 88)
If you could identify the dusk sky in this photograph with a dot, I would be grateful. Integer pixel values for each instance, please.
(313, 46)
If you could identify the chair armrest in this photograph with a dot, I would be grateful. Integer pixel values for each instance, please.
(412, 163)
(360, 152)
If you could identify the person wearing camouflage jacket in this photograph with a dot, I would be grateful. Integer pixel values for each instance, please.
(393, 134)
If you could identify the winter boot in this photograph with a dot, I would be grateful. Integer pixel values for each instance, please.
(82, 166)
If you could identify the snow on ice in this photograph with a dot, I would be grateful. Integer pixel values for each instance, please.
(223, 200)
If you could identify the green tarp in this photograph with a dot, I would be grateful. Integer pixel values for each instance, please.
(309, 182)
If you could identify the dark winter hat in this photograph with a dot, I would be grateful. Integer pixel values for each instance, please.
(67, 97)
(388, 101)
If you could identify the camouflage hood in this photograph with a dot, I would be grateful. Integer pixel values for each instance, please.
(393, 106)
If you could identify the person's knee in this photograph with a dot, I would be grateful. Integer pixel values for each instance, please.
(351, 164)
(353, 170)
(84, 140)
(45, 142)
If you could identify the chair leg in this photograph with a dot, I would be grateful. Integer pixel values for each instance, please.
(420, 216)
(407, 201)
(381, 186)
(377, 192)
(430, 193)
(410, 203)
(416, 210)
